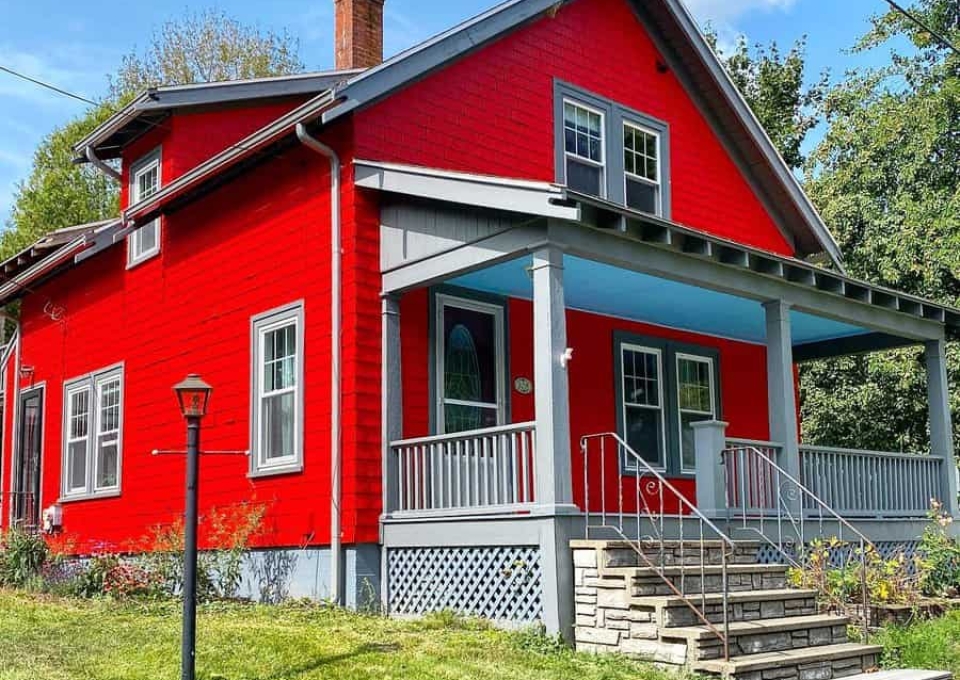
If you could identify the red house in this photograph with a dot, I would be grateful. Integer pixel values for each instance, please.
(541, 278)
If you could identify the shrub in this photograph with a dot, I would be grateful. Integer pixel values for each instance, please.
(940, 554)
(22, 556)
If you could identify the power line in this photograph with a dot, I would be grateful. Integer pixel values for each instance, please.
(56, 89)
(919, 22)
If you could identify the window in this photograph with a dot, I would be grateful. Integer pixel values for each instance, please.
(93, 415)
(642, 373)
(641, 168)
(277, 419)
(606, 150)
(663, 387)
(144, 242)
(584, 148)
(695, 402)
(471, 364)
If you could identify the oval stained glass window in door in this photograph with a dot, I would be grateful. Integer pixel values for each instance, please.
(461, 381)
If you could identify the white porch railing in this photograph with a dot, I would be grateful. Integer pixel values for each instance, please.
(873, 483)
(477, 472)
(864, 484)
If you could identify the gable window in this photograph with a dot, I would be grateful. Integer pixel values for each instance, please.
(144, 242)
(583, 141)
(663, 387)
(93, 414)
(277, 399)
(641, 168)
(607, 150)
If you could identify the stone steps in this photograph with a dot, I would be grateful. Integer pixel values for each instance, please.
(672, 611)
(667, 553)
(768, 635)
(811, 663)
(775, 632)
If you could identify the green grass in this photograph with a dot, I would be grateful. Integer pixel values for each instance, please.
(59, 639)
(933, 644)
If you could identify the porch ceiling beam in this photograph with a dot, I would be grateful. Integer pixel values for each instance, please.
(464, 259)
(854, 344)
(774, 283)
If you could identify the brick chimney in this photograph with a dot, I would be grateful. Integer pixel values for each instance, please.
(359, 33)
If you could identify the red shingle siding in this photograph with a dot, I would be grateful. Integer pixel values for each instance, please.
(492, 112)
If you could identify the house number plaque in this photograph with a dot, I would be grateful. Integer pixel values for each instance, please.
(523, 385)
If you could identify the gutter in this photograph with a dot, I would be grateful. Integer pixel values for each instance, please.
(336, 452)
(44, 266)
(100, 165)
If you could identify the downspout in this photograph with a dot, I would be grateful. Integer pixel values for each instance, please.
(100, 165)
(336, 452)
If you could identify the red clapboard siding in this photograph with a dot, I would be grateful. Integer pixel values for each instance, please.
(492, 112)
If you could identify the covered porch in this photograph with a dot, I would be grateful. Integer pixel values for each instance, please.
(516, 342)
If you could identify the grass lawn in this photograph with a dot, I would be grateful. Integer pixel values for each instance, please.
(931, 644)
(58, 639)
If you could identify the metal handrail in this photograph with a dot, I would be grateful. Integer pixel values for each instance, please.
(655, 482)
(796, 516)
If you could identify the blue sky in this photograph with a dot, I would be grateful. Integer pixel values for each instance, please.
(74, 45)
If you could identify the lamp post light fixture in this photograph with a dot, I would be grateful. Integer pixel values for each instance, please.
(193, 395)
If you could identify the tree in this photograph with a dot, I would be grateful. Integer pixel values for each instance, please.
(197, 48)
(774, 85)
(885, 178)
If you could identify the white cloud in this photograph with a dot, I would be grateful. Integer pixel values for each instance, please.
(725, 11)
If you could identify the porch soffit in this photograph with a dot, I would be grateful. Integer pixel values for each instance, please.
(596, 230)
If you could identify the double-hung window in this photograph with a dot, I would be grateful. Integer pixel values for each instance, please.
(144, 242)
(696, 401)
(92, 440)
(277, 403)
(612, 152)
(642, 403)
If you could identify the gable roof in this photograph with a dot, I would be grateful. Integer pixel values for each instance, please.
(679, 40)
(154, 104)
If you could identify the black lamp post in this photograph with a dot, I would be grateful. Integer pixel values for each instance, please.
(193, 395)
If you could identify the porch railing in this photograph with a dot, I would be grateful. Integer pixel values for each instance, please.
(480, 471)
(861, 484)
(871, 483)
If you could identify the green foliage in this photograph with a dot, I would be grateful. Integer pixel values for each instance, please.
(930, 643)
(22, 556)
(886, 179)
(940, 555)
(775, 87)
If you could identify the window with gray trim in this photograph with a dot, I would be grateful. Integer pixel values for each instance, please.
(92, 439)
(607, 150)
(277, 391)
(144, 242)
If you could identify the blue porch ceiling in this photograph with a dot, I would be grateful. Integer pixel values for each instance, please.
(606, 289)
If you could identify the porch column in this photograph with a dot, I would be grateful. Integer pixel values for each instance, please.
(941, 426)
(781, 394)
(391, 422)
(554, 490)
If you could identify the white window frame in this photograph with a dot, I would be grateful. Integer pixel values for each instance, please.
(90, 383)
(658, 185)
(261, 325)
(145, 164)
(712, 386)
(602, 164)
(443, 301)
(629, 464)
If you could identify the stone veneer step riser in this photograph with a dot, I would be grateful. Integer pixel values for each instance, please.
(628, 557)
(790, 605)
(818, 670)
(759, 643)
(689, 585)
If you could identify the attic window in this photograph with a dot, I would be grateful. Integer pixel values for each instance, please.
(144, 242)
(606, 150)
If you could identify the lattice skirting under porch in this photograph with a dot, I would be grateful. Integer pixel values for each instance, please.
(497, 583)
(767, 554)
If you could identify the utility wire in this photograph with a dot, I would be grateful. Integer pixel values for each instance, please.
(919, 22)
(56, 89)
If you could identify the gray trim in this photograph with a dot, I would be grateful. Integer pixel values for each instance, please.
(467, 295)
(669, 349)
(615, 116)
(91, 381)
(391, 368)
(854, 344)
(292, 312)
(941, 422)
(15, 459)
(781, 391)
(155, 155)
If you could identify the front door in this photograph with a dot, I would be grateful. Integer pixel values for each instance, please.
(25, 507)
(470, 364)
(663, 388)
